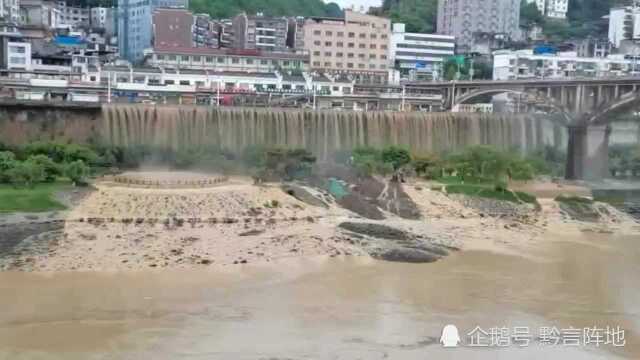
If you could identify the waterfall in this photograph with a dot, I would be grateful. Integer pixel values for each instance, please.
(322, 132)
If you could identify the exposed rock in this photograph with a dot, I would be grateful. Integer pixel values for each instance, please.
(252, 232)
(408, 255)
(375, 230)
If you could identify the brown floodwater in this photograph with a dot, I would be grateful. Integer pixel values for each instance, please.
(349, 308)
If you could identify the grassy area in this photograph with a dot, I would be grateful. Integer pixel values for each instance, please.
(37, 199)
(490, 193)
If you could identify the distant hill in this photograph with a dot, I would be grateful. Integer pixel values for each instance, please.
(229, 8)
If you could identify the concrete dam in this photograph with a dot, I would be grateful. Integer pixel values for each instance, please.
(322, 132)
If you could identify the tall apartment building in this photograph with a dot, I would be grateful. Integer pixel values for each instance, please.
(260, 32)
(419, 56)
(552, 8)
(10, 10)
(135, 25)
(134, 29)
(206, 32)
(463, 19)
(357, 44)
(74, 15)
(624, 24)
(227, 38)
(40, 14)
(104, 18)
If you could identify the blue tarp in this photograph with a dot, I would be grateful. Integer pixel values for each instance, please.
(68, 40)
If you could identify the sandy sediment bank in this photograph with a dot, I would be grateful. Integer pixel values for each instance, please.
(127, 228)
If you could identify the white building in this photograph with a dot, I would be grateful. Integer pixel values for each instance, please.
(552, 8)
(18, 56)
(418, 56)
(524, 64)
(10, 10)
(624, 24)
(73, 15)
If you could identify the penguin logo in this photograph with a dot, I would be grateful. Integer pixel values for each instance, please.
(450, 336)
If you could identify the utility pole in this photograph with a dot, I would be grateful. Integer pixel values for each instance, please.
(109, 87)
(404, 89)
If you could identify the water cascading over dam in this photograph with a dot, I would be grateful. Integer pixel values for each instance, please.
(322, 132)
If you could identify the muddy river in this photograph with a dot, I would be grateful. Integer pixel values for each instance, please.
(334, 308)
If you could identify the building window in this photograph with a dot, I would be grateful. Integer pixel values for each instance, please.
(372, 66)
(340, 34)
(372, 56)
(361, 56)
(317, 43)
(363, 36)
(327, 64)
(362, 46)
(185, 58)
(235, 60)
(383, 57)
(328, 33)
(351, 45)
(328, 43)
(352, 35)
(339, 65)
(373, 36)
(383, 47)
(316, 53)
(264, 62)
(160, 57)
(249, 61)
(361, 66)
(316, 63)
(220, 60)
(339, 54)
(339, 44)
(208, 59)
(350, 65)
(169, 82)
(317, 32)
(285, 63)
(185, 82)
(383, 36)
(196, 58)
(350, 55)
(372, 46)
(172, 58)
(327, 53)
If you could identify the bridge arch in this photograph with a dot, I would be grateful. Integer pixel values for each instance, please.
(544, 102)
(602, 115)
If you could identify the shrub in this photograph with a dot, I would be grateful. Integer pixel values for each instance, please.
(396, 156)
(54, 151)
(77, 172)
(51, 169)
(7, 162)
(75, 152)
(424, 165)
(26, 173)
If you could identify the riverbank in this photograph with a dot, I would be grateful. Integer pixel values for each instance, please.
(124, 228)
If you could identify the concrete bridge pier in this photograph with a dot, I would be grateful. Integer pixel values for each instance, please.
(588, 152)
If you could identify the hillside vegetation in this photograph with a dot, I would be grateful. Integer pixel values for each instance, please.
(230, 8)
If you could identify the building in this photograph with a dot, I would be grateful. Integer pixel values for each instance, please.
(134, 29)
(227, 38)
(74, 16)
(40, 14)
(624, 24)
(103, 18)
(357, 44)
(206, 32)
(295, 36)
(260, 32)
(176, 4)
(173, 28)
(594, 47)
(552, 8)
(10, 10)
(524, 64)
(463, 19)
(228, 60)
(419, 56)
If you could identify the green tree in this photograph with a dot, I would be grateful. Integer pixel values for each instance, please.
(77, 171)
(7, 162)
(50, 168)
(530, 14)
(26, 173)
(396, 156)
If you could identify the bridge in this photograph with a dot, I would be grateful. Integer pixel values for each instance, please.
(587, 107)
